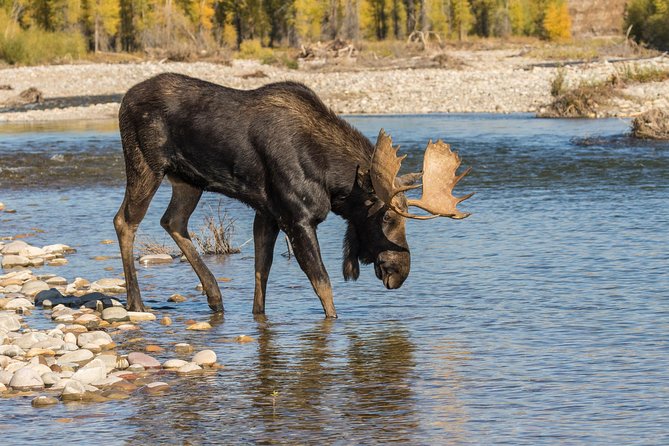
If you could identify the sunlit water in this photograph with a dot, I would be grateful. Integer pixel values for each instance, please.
(541, 319)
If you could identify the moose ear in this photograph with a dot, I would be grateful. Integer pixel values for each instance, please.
(363, 180)
(350, 265)
(408, 179)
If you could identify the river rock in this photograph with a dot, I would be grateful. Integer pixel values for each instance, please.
(96, 370)
(13, 261)
(14, 247)
(88, 320)
(199, 326)
(107, 381)
(166, 321)
(174, 363)
(73, 390)
(115, 314)
(43, 400)
(10, 322)
(205, 358)
(243, 339)
(19, 303)
(189, 368)
(77, 356)
(155, 259)
(56, 281)
(31, 251)
(11, 350)
(139, 316)
(177, 298)
(5, 377)
(26, 379)
(50, 343)
(109, 285)
(50, 378)
(58, 248)
(144, 360)
(33, 287)
(99, 338)
(183, 348)
(156, 387)
(27, 340)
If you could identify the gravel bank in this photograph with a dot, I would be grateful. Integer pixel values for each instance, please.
(495, 81)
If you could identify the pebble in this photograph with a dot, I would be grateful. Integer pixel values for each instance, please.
(18, 303)
(13, 248)
(189, 368)
(183, 348)
(33, 287)
(205, 358)
(144, 360)
(152, 348)
(10, 322)
(156, 387)
(166, 320)
(115, 314)
(176, 298)
(199, 326)
(77, 356)
(243, 339)
(139, 316)
(13, 261)
(73, 391)
(96, 370)
(56, 281)
(155, 259)
(174, 363)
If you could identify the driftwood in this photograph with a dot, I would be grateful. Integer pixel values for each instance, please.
(334, 48)
(30, 96)
(653, 124)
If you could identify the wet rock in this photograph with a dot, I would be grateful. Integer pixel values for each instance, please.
(138, 316)
(122, 363)
(155, 259)
(166, 320)
(135, 368)
(58, 262)
(43, 401)
(81, 283)
(156, 387)
(205, 358)
(58, 248)
(114, 394)
(26, 379)
(99, 338)
(3, 388)
(183, 348)
(14, 261)
(31, 251)
(177, 298)
(154, 348)
(243, 339)
(174, 363)
(56, 281)
(74, 328)
(50, 378)
(189, 369)
(33, 287)
(88, 320)
(10, 322)
(109, 359)
(115, 314)
(144, 360)
(73, 391)
(109, 285)
(107, 381)
(199, 326)
(77, 356)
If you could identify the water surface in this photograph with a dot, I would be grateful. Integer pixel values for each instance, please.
(541, 319)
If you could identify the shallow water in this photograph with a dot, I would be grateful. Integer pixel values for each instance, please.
(541, 319)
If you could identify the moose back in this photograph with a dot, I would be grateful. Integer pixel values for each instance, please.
(282, 152)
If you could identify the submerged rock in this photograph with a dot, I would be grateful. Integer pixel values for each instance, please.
(205, 358)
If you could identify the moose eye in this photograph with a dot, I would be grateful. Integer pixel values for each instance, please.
(387, 217)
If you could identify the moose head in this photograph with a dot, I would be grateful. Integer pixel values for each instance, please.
(379, 235)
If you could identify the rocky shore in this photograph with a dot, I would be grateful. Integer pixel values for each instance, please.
(80, 355)
(495, 81)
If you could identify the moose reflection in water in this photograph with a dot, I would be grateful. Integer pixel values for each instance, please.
(282, 152)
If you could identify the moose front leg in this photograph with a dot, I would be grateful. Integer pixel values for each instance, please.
(308, 255)
(265, 231)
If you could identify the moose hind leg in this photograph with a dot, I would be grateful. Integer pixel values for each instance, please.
(308, 255)
(175, 221)
(265, 231)
(138, 194)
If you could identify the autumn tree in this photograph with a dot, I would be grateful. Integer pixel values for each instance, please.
(101, 18)
(557, 22)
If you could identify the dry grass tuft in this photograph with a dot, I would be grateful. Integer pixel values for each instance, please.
(215, 236)
(147, 245)
(653, 124)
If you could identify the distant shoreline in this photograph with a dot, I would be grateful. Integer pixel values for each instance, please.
(486, 81)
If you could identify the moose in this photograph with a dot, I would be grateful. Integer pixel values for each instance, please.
(280, 150)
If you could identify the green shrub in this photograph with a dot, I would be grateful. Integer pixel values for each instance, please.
(649, 21)
(35, 46)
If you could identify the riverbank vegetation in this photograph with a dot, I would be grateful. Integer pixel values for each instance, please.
(40, 31)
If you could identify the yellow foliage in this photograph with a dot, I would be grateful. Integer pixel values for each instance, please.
(437, 16)
(557, 21)
(229, 35)
(308, 18)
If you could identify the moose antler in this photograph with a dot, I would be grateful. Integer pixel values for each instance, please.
(439, 178)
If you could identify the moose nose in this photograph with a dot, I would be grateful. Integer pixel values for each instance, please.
(391, 277)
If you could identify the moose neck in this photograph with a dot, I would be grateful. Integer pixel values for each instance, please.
(352, 202)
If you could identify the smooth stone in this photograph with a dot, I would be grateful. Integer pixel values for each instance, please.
(109, 359)
(11, 350)
(29, 339)
(155, 259)
(50, 378)
(107, 381)
(96, 370)
(58, 248)
(205, 358)
(144, 360)
(189, 368)
(166, 321)
(75, 328)
(5, 377)
(115, 314)
(31, 251)
(56, 281)
(243, 339)
(14, 247)
(139, 316)
(10, 322)
(135, 368)
(33, 287)
(88, 320)
(35, 351)
(41, 369)
(156, 387)
(80, 283)
(12, 261)
(26, 379)
(68, 347)
(77, 357)
(177, 298)
(50, 343)
(43, 400)
(183, 348)
(122, 363)
(99, 338)
(3, 388)
(174, 363)
(199, 326)
(73, 390)
(70, 337)
(19, 302)
(58, 262)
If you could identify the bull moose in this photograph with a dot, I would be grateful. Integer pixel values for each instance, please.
(281, 151)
